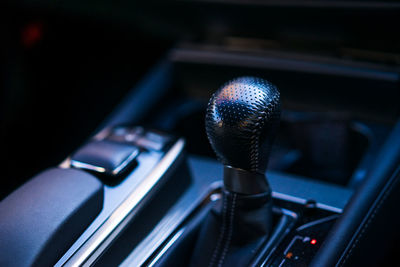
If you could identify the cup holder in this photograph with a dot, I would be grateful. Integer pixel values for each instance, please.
(321, 146)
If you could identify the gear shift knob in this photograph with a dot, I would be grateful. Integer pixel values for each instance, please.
(241, 123)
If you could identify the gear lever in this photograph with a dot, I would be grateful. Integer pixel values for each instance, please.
(241, 122)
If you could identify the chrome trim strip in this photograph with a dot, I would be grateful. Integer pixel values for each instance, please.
(291, 243)
(290, 213)
(81, 165)
(304, 226)
(166, 247)
(66, 164)
(102, 237)
(303, 201)
(102, 134)
(118, 169)
(329, 208)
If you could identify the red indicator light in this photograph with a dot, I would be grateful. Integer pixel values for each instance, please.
(31, 34)
(313, 241)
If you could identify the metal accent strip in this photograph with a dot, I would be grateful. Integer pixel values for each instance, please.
(115, 223)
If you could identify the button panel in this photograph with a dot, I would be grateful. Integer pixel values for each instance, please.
(145, 139)
(118, 150)
(125, 134)
(300, 247)
(105, 157)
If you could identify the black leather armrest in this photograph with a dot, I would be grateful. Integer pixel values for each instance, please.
(367, 231)
(41, 219)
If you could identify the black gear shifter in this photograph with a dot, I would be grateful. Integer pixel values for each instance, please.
(241, 122)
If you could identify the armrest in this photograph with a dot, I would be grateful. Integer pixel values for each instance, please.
(41, 219)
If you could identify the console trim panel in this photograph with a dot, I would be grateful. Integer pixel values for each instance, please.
(115, 223)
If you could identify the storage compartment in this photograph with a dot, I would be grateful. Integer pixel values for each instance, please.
(320, 146)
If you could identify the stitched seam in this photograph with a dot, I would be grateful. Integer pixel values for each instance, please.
(230, 231)
(383, 199)
(254, 149)
(254, 142)
(221, 233)
(254, 153)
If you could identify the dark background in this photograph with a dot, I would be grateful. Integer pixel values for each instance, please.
(66, 64)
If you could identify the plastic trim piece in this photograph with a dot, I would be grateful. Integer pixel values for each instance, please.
(41, 219)
(112, 227)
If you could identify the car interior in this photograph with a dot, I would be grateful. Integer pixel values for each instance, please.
(200, 133)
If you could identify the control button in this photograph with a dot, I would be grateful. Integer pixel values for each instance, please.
(148, 144)
(125, 134)
(153, 141)
(150, 140)
(155, 137)
(105, 157)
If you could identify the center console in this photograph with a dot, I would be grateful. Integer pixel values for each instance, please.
(163, 207)
(294, 171)
(183, 175)
(167, 198)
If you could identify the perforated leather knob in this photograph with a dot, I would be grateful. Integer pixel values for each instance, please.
(241, 122)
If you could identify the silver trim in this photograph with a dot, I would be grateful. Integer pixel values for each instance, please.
(289, 213)
(118, 169)
(326, 219)
(114, 224)
(115, 171)
(304, 201)
(282, 262)
(291, 243)
(102, 134)
(81, 165)
(66, 164)
(329, 208)
(166, 247)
